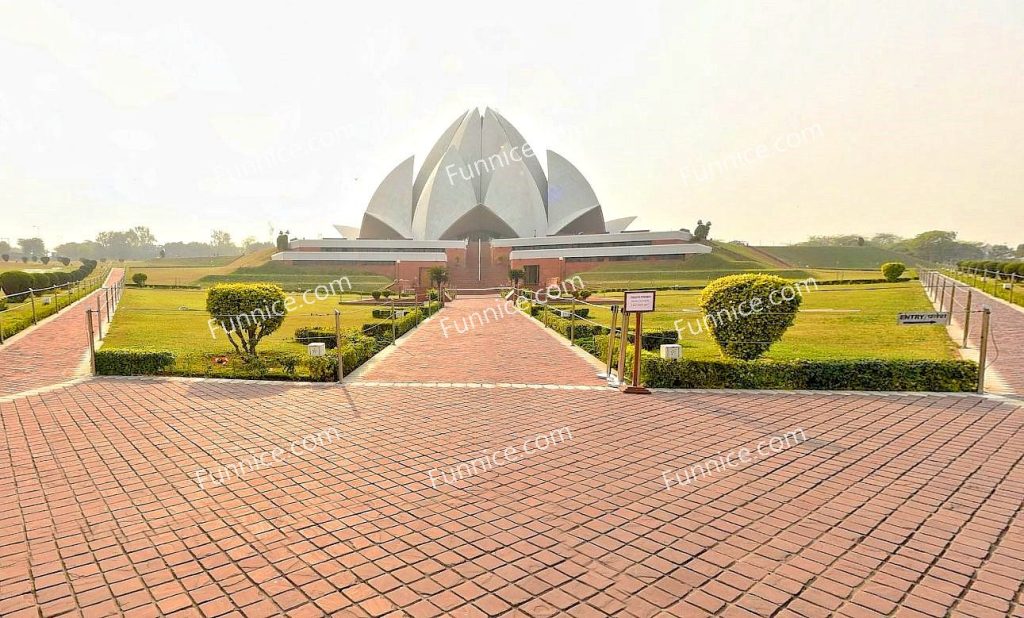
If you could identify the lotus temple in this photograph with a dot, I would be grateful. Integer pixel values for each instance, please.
(481, 204)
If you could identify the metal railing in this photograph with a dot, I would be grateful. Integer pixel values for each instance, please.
(76, 291)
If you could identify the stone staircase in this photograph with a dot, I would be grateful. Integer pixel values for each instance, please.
(478, 271)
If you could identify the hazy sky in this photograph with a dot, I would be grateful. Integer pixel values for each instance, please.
(247, 116)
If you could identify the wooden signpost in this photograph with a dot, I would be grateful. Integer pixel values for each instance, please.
(637, 302)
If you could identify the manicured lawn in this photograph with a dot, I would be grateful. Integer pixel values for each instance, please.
(638, 275)
(176, 320)
(841, 321)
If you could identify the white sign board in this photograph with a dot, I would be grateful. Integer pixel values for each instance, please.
(639, 301)
(934, 317)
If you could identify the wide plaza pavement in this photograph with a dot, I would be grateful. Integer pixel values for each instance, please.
(498, 482)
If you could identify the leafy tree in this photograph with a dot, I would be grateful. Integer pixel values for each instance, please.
(139, 279)
(1020, 251)
(24, 259)
(885, 240)
(32, 246)
(282, 241)
(6, 257)
(246, 311)
(45, 260)
(163, 253)
(438, 277)
(64, 260)
(748, 313)
(701, 231)
(516, 275)
(5, 247)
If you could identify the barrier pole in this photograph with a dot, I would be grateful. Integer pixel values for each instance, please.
(92, 341)
(611, 342)
(622, 347)
(572, 323)
(32, 299)
(337, 343)
(967, 318)
(983, 351)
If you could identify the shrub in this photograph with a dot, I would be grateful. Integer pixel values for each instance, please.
(375, 294)
(41, 281)
(139, 279)
(248, 311)
(892, 271)
(14, 282)
(316, 334)
(6, 257)
(381, 331)
(385, 293)
(769, 312)
(564, 327)
(432, 295)
(64, 260)
(3, 301)
(113, 362)
(653, 339)
(354, 353)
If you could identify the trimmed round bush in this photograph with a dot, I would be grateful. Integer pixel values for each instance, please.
(748, 313)
(246, 311)
(139, 279)
(892, 270)
(14, 282)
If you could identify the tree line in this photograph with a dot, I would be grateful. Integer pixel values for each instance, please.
(137, 243)
(933, 246)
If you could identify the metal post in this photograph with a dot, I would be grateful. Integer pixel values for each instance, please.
(32, 299)
(106, 292)
(942, 295)
(634, 388)
(611, 342)
(394, 331)
(572, 323)
(983, 350)
(622, 347)
(1, 329)
(92, 341)
(952, 297)
(99, 318)
(967, 318)
(337, 343)
(1013, 280)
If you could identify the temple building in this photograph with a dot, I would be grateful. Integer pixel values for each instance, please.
(480, 205)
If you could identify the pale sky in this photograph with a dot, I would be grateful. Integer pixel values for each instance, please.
(248, 116)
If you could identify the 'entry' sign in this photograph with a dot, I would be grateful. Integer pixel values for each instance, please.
(639, 301)
(935, 317)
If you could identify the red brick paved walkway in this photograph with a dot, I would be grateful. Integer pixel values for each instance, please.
(507, 348)
(889, 502)
(54, 351)
(1007, 327)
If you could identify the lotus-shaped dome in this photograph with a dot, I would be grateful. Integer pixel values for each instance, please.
(482, 179)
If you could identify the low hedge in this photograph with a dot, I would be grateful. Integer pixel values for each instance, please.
(114, 362)
(381, 331)
(839, 375)
(853, 375)
(564, 326)
(353, 353)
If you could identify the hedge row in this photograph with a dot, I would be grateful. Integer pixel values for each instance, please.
(842, 375)
(354, 353)
(852, 375)
(382, 331)
(15, 284)
(1004, 268)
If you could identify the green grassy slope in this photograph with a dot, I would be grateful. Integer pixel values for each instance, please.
(836, 257)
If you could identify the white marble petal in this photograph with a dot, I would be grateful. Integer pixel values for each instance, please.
(569, 194)
(614, 226)
(446, 196)
(435, 154)
(392, 201)
(512, 195)
(532, 162)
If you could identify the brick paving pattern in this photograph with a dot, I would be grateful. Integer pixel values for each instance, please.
(53, 351)
(508, 349)
(891, 504)
(1007, 332)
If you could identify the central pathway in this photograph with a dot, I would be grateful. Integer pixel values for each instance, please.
(476, 340)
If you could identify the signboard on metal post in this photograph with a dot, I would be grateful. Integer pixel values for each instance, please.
(639, 301)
